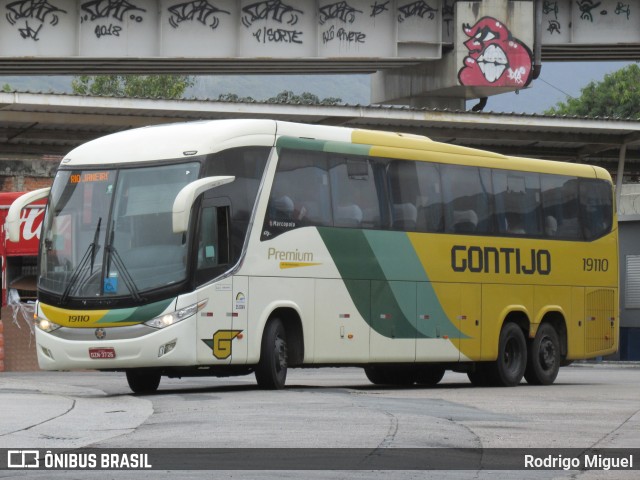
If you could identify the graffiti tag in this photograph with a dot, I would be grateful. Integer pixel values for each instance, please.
(379, 8)
(270, 10)
(198, 10)
(34, 9)
(554, 27)
(585, 7)
(416, 9)
(29, 32)
(621, 8)
(277, 35)
(339, 11)
(97, 9)
(550, 7)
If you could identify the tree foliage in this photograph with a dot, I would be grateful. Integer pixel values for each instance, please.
(286, 96)
(143, 86)
(617, 95)
(305, 98)
(232, 97)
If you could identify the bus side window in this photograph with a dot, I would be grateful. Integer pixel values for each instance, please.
(596, 207)
(300, 193)
(560, 201)
(517, 198)
(356, 196)
(468, 199)
(416, 201)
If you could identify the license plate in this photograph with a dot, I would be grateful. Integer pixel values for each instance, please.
(102, 353)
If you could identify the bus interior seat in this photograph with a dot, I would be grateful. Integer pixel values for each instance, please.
(465, 221)
(348, 216)
(405, 216)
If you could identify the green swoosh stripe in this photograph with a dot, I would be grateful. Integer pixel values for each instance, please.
(136, 314)
(387, 282)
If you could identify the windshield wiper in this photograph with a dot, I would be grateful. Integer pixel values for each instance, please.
(80, 270)
(112, 253)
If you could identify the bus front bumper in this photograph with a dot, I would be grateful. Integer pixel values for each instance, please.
(168, 347)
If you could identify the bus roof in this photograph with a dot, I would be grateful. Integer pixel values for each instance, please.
(181, 140)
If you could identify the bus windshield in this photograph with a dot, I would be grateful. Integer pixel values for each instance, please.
(108, 233)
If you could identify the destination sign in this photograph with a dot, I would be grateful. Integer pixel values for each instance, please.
(89, 177)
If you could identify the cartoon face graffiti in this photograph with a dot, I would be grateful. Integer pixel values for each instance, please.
(496, 58)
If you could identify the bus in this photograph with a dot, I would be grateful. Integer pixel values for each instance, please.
(18, 259)
(232, 247)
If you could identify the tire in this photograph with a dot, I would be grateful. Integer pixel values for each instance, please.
(402, 376)
(271, 371)
(508, 369)
(143, 380)
(429, 375)
(543, 359)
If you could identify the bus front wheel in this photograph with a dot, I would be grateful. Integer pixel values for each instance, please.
(271, 371)
(543, 361)
(143, 380)
(508, 369)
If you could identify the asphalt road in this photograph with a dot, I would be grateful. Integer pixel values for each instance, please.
(589, 406)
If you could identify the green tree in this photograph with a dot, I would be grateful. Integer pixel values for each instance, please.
(143, 86)
(617, 95)
(232, 97)
(7, 88)
(305, 98)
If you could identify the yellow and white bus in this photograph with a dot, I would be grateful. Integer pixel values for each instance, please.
(237, 246)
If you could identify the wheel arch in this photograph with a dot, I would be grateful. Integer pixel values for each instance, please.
(520, 318)
(291, 319)
(517, 314)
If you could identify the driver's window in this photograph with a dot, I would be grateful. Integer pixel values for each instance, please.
(212, 249)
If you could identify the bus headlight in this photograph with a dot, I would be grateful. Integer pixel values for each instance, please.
(172, 318)
(46, 325)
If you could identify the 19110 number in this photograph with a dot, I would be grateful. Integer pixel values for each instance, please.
(595, 264)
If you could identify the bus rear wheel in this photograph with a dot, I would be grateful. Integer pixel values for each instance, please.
(271, 371)
(543, 361)
(508, 369)
(142, 380)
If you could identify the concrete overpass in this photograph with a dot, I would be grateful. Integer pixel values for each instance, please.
(425, 52)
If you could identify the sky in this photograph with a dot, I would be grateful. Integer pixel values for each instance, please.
(557, 81)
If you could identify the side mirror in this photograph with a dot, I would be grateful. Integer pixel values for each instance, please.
(13, 215)
(185, 198)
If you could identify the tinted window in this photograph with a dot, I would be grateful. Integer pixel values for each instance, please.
(416, 198)
(357, 192)
(300, 193)
(560, 204)
(247, 164)
(467, 199)
(517, 199)
(212, 242)
(596, 206)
